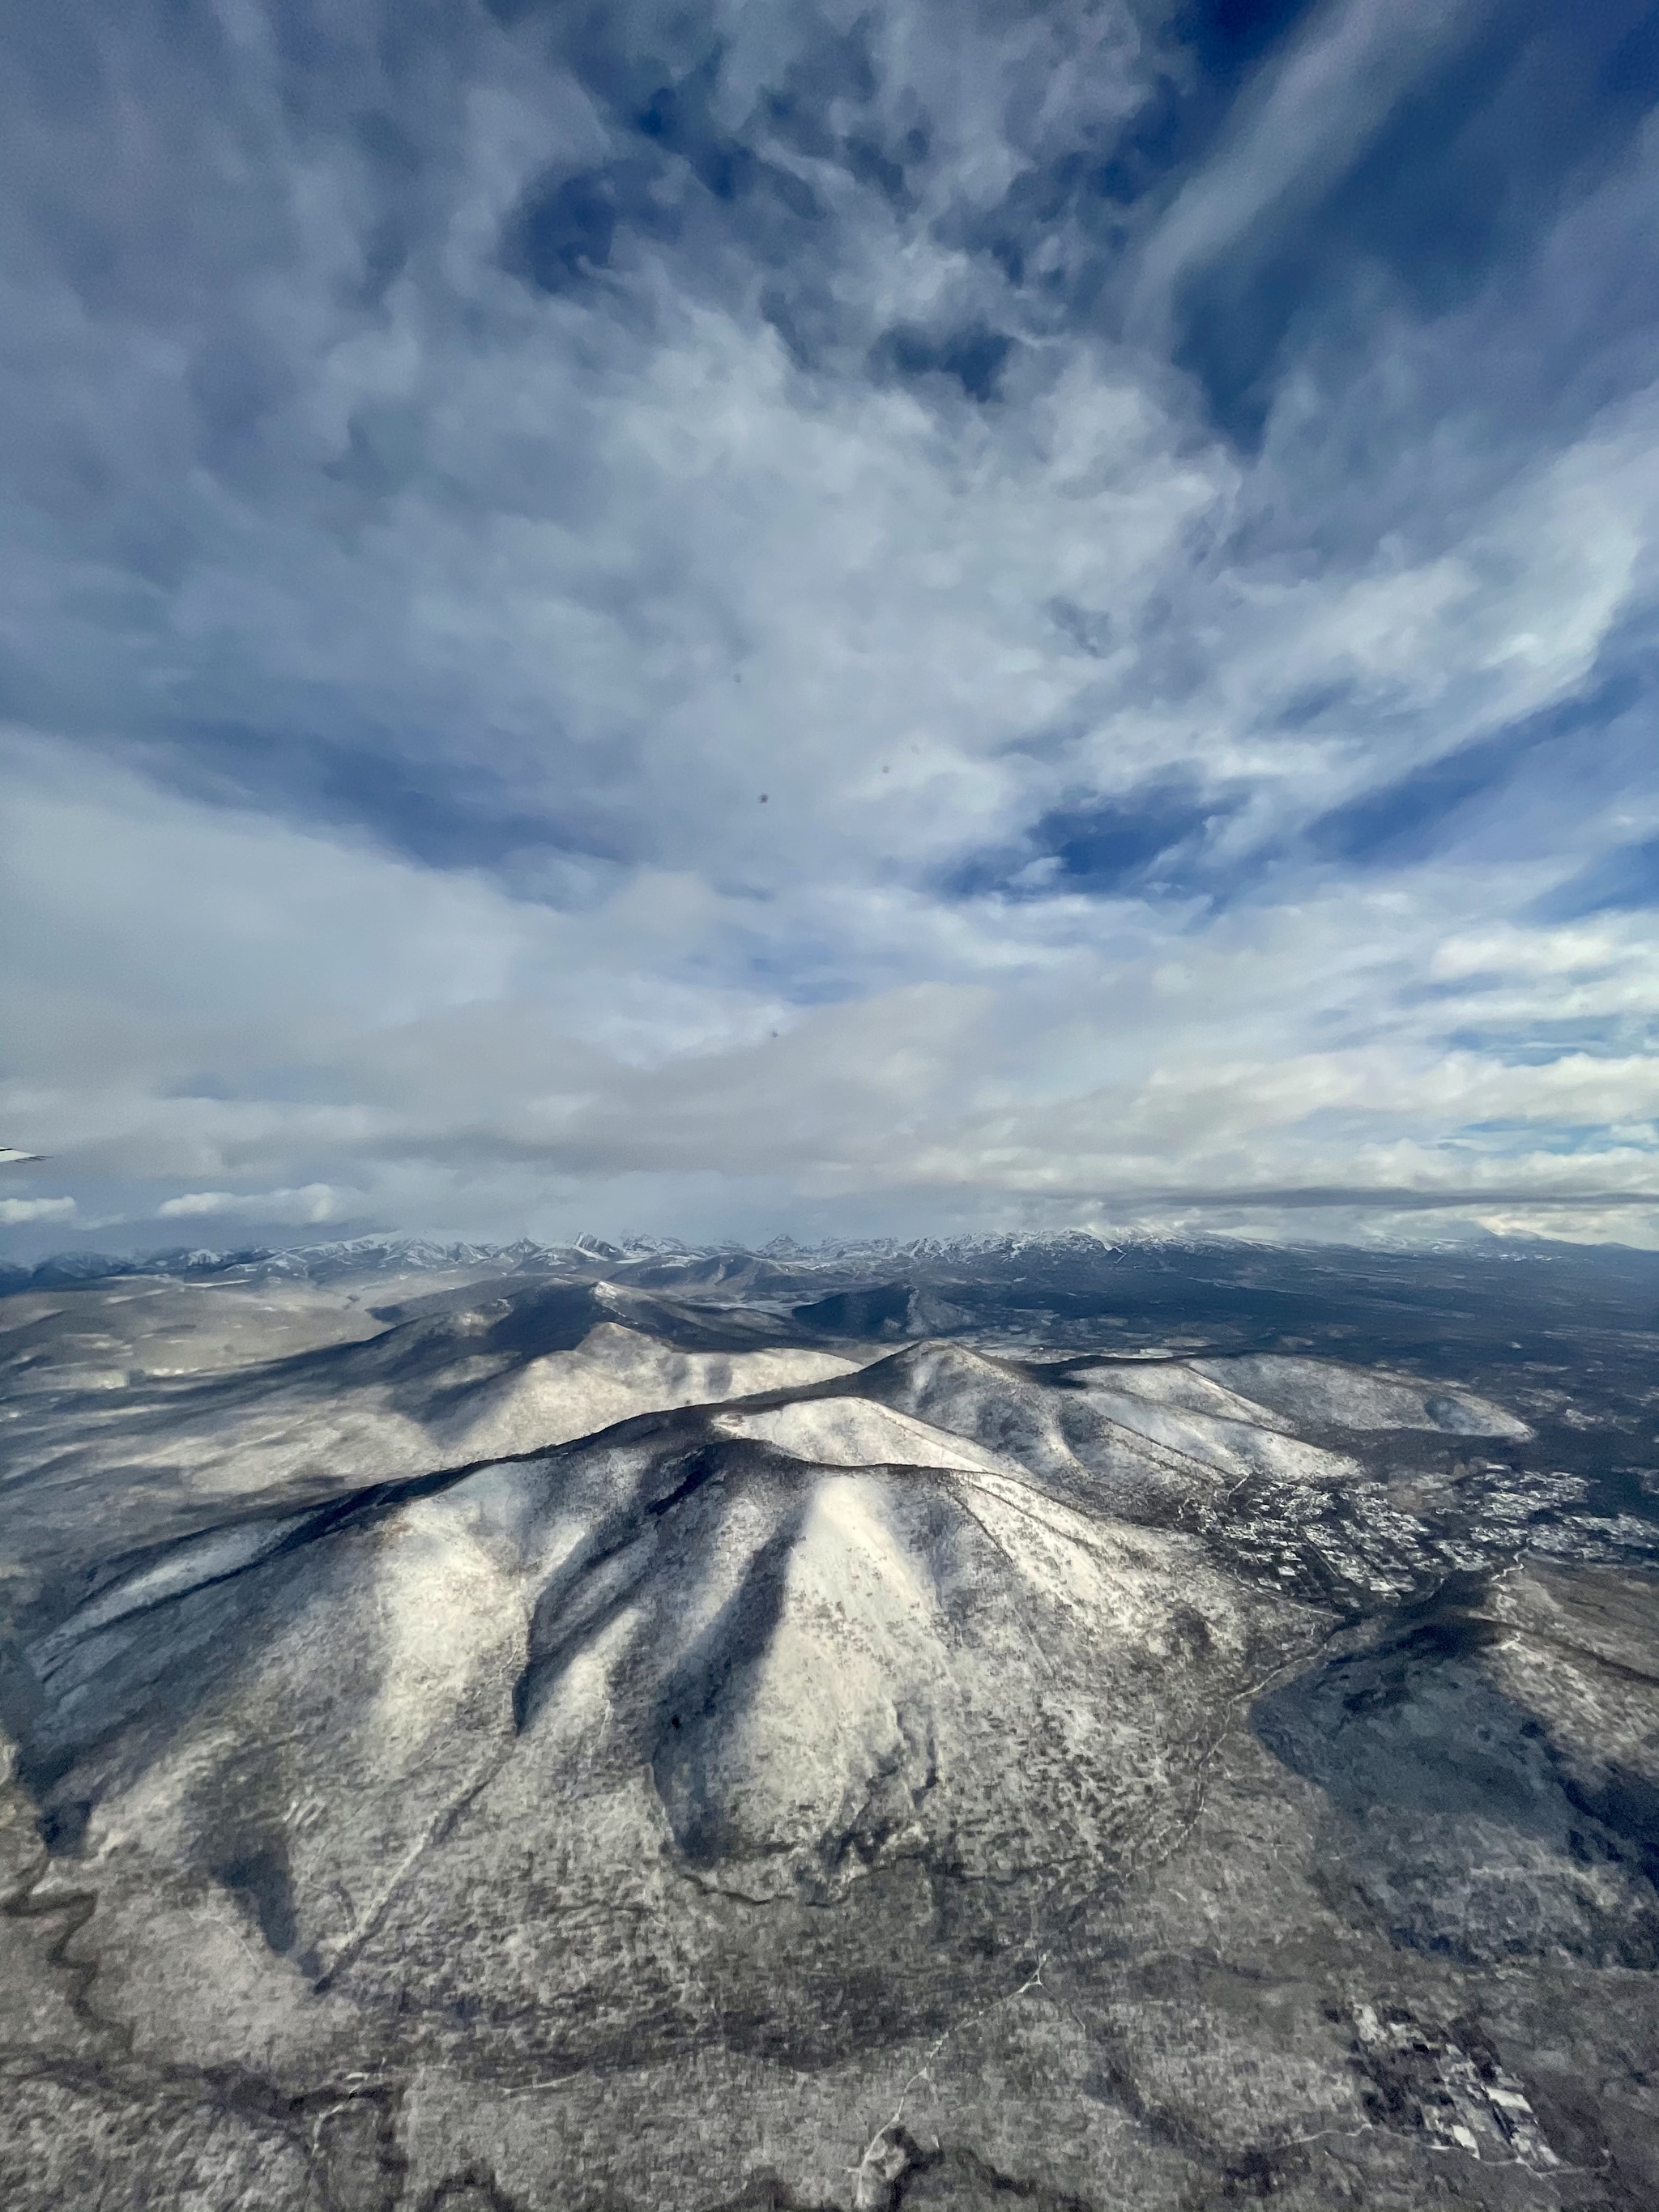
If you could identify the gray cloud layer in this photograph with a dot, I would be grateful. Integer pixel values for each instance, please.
(788, 616)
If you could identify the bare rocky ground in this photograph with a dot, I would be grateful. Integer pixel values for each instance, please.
(610, 1730)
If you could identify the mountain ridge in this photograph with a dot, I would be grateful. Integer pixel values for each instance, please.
(1142, 1719)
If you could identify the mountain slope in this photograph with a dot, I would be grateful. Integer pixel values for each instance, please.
(788, 1661)
(841, 1778)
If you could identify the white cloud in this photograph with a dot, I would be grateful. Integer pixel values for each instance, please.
(316, 1202)
(462, 1059)
(13, 1211)
(304, 1208)
(447, 635)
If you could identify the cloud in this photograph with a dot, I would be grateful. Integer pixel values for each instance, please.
(315, 1203)
(16, 1211)
(670, 619)
(1309, 120)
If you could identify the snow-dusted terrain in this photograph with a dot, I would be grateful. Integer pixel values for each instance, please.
(640, 1727)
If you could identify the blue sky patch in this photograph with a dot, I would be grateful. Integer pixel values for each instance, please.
(1623, 879)
(1099, 848)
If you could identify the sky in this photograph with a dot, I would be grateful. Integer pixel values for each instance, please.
(829, 619)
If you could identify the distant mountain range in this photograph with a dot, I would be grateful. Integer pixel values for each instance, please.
(334, 1260)
(329, 1260)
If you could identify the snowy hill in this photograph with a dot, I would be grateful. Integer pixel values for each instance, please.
(492, 1716)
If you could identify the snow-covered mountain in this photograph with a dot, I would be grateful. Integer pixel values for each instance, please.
(655, 1729)
(332, 1260)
